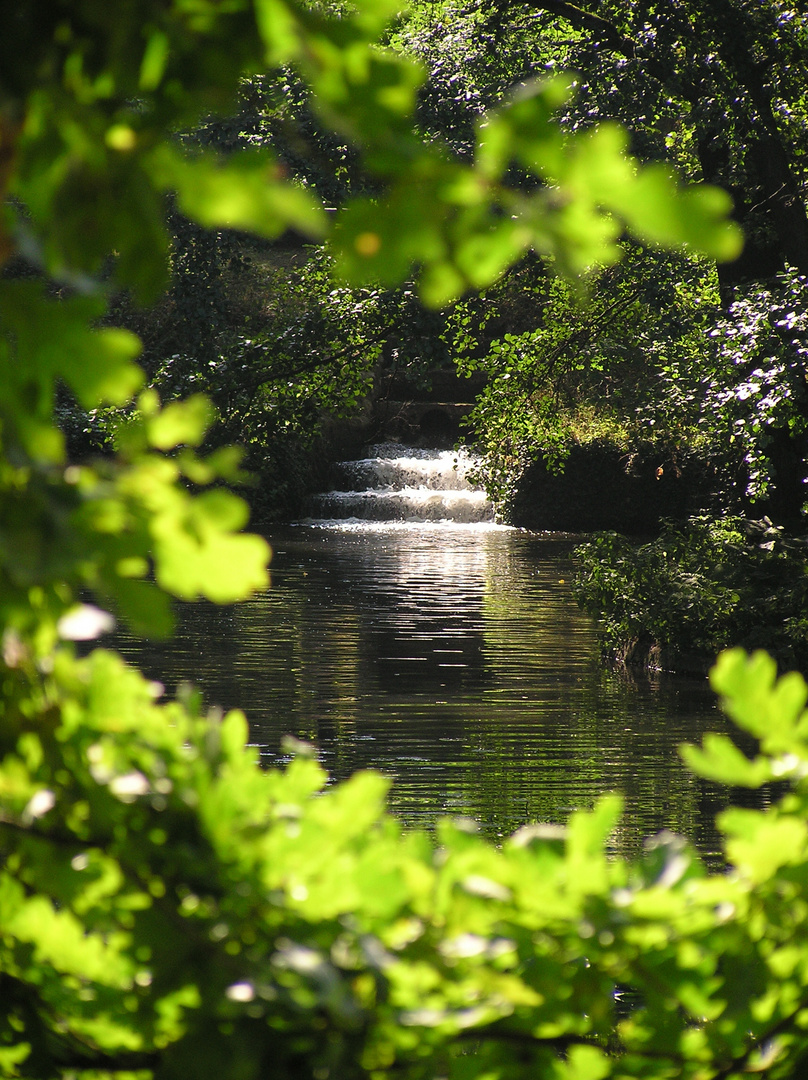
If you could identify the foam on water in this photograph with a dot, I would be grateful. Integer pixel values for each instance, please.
(404, 488)
(361, 525)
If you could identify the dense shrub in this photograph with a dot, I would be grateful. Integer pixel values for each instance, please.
(700, 586)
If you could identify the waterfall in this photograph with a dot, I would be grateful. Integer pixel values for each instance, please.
(403, 486)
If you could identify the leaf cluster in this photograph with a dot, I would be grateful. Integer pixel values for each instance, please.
(564, 368)
(113, 526)
(170, 908)
(167, 908)
(697, 588)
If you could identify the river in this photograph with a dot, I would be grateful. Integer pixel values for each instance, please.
(451, 655)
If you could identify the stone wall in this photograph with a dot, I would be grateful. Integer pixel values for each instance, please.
(604, 487)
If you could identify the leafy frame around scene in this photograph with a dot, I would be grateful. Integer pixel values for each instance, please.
(168, 908)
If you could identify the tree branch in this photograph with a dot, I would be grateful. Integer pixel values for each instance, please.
(582, 19)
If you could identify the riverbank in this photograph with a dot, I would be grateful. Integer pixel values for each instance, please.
(677, 568)
(701, 586)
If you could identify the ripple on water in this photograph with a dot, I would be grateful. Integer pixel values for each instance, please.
(456, 661)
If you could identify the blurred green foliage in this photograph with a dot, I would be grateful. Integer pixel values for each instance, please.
(169, 909)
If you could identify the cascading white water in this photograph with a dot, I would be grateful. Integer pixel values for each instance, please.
(406, 486)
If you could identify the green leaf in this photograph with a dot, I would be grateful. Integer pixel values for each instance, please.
(280, 30)
(243, 191)
(379, 241)
(45, 337)
(484, 256)
(196, 554)
(759, 844)
(659, 211)
(181, 422)
(587, 832)
(596, 168)
(722, 761)
(524, 130)
(440, 283)
(772, 709)
(155, 58)
(584, 1063)
(234, 733)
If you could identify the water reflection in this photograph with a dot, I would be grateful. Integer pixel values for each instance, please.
(456, 661)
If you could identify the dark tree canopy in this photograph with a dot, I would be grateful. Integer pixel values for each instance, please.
(719, 87)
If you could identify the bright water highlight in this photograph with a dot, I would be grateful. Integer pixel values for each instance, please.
(404, 484)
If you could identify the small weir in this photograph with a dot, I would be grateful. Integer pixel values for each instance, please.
(406, 485)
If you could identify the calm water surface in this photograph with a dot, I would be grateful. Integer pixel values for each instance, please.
(456, 661)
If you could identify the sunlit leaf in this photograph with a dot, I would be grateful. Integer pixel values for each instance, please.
(720, 759)
(759, 846)
(248, 191)
(181, 422)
